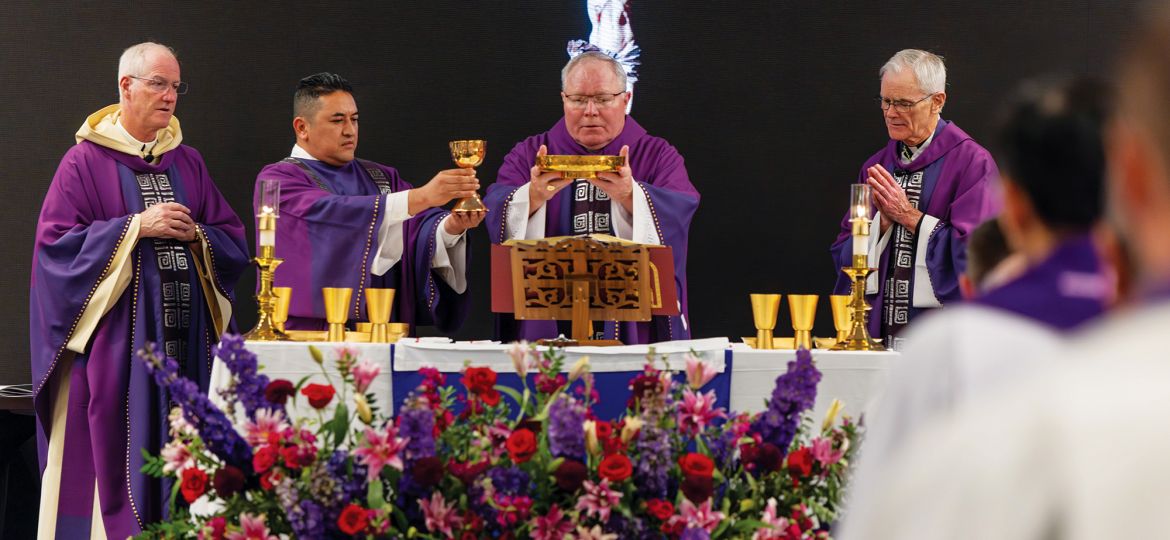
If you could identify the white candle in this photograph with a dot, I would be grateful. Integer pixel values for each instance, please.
(861, 244)
(267, 238)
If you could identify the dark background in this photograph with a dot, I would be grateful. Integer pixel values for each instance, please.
(770, 103)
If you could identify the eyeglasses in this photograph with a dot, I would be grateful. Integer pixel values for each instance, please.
(900, 105)
(159, 85)
(578, 101)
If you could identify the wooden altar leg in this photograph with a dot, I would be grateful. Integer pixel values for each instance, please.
(582, 326)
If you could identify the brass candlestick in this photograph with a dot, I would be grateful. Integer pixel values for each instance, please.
(266, 328)
(803, 308)
(378, 305)
(336, 310)
(765, 308)
(858, 338)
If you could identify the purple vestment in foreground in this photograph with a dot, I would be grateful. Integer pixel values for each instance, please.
(657, 167)
(114, 409)
(328, 236)
(957, 189)
(1065, 290)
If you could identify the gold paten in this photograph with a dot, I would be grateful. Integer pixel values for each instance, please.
(580, 166)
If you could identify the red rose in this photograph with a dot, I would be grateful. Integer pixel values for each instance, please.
(467, 472)
(696, 465)
(289, 453)
(748, 453)
(697, 488)
(319, 394)
(612, 445)
(521, 445)
(269, 479)
(603, 429)
(353, 520)
(264, 458)
(479, 380)
(660, 509)
(800, 462)
(427, 471)
(770, 458)
(228, 481)
(279, 391)
(194, 484)
(570, 475)
(491, 397)
(615, 467)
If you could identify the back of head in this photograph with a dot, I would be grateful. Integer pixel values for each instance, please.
(1144, 78)
(1050, 146)
(310, 88)
(929, 69)
(986, 249)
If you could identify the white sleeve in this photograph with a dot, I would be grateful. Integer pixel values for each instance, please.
(639, 226)
(389, 250)
(923, 296)
(450, 259)
(519, 225)
(877, 247)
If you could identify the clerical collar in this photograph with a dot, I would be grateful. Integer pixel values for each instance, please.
(907, 153)
(147, 153)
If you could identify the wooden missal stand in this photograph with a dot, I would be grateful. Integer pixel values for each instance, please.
(582, 279)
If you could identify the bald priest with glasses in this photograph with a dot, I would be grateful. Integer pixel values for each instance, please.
(932, 184)
(650, 201)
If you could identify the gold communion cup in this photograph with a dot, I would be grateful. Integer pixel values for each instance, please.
(468, 154)
(336, 310)
(580, 166)
(396, 331)
(280, 313)
(803, 308)
(379, 302)
(842, 317)
(765, 308)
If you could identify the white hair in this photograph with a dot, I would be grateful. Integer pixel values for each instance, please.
(928, 68)
(616, 66)
(133, 60)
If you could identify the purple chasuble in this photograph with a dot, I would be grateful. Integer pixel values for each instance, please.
(1067, 289)
(657, 168)
(958, 179)
(328, 234)
(114, 407)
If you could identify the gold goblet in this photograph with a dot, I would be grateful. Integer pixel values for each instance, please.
(842, 317)
(396, 331)
(336, 310)
(378, 305)
(803, 308)
(280, 313)
(765, 308)
(468, 154)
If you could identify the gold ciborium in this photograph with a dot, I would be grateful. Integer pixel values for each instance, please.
(336, 310)
(280, 313)
(580, 166)
(803, 308)
(468, 154)
(378, 305)
(842, 317)
(765, 308)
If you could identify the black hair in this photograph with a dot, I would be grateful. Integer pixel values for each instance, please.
(314, 86)
(986, 248)
(1050, 145)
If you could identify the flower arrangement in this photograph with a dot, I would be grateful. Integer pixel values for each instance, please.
(488, 461)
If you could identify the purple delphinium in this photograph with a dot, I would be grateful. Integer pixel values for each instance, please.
(417, 425)
(695, 533)
(723, 447)
(633, 528)
(653, 462)
(249, 385)
(304, 515)
(214, 428)
(566, 429)
(795, 392)
(510, 480)
(342, 485)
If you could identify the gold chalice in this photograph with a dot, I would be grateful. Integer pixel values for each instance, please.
(803, 308)
(468, 154)
(765, 308)
(280, 314)
(336, 310)
(396, 331)
(379, 302)
(842, 317)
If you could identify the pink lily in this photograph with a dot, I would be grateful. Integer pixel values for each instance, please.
(598, 499)
(380, 449)
(252, 528)
(698, 410)
(699, 373)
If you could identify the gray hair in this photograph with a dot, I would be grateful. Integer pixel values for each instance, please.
(616, 66)
(928, 68)
(133, 60)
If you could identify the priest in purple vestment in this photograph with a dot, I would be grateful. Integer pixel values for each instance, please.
(348, 222)
(651, 201)
(134, 244)
(932, 184)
